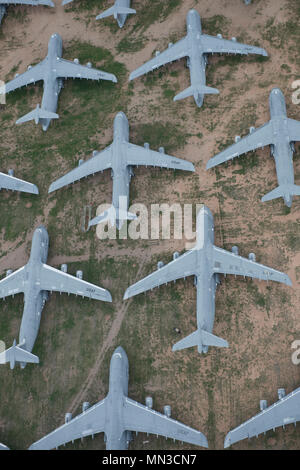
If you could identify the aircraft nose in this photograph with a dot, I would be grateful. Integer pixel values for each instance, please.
(119, 351)
(120, 115)
(276, 91)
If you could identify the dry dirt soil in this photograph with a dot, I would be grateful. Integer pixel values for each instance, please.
(215, 392)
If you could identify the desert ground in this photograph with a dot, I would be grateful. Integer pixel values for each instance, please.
(260, 320)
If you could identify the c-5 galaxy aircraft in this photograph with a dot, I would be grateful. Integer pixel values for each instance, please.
(205, 262)
(280, 133)
(36, 280)
(285, 411)
(196, 46)
(3, 447)
(15, 184)
(52, 70)
(120, 156)
(5, 3)
(120, 11)
(118, 417)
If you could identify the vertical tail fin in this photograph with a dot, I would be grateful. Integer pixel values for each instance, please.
(17, 354)
(120, 13)
(202, 339)
(286, 191)
(114, 216)
(37, 114)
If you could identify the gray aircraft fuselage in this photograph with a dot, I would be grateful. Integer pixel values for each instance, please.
(52, 84)
(115, 435)
(206, 280)
(121, 171)
(34, 298)
(282, 149)
(197, 61)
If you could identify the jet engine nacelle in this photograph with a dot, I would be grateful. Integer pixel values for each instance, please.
(272, 149)
(149, 402)
(237, 138)
(29, 67)
(167, 411)
(161, 149)
(175, 255)
(9, 272)
(11, 172)
(146, 145)
(233, 39)
(89, 65)
(235, 250)
(160, 264)
(292, 146)
(219, 36)
(80, 162)
(79, 274)
(281, 393)
(85, 406)
(45, 296)
(170, 44)
(76, 61)
(251, 130)
(157, 53)
(64, 268)
(252, 257)
(68, 417)
(263, 405)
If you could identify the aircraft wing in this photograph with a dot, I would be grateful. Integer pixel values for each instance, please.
(67, 69)
(48, 3)
(99, 162)
(139, 418)
(183, 266)
(229, 263)
(259, 138)
(137, 155)
(12, 284)
(86, 424)
(285, 411)
(175, 52)
(32, 75)
(52, 279)
(15, 184)
(212, 44)
(294, 130)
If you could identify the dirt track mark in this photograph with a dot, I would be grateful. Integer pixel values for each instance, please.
(115, 328)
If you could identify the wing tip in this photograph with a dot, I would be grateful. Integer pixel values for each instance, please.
(227, 442)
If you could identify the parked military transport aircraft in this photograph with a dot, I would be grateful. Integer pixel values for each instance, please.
(118, 417)
(205, 262)
(5, 3)
(280, 133)
(52, 70)
(120, 11)
(120, 156)
(3, 447)
(285, 411)
(14, 184)
(36, 280)
(196, 46)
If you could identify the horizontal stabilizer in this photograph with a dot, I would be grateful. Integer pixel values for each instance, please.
(112, 215)
(17, 354)
(195, 91)
(200, 338)
(115, 11)
(286, 191)
(37, 114)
